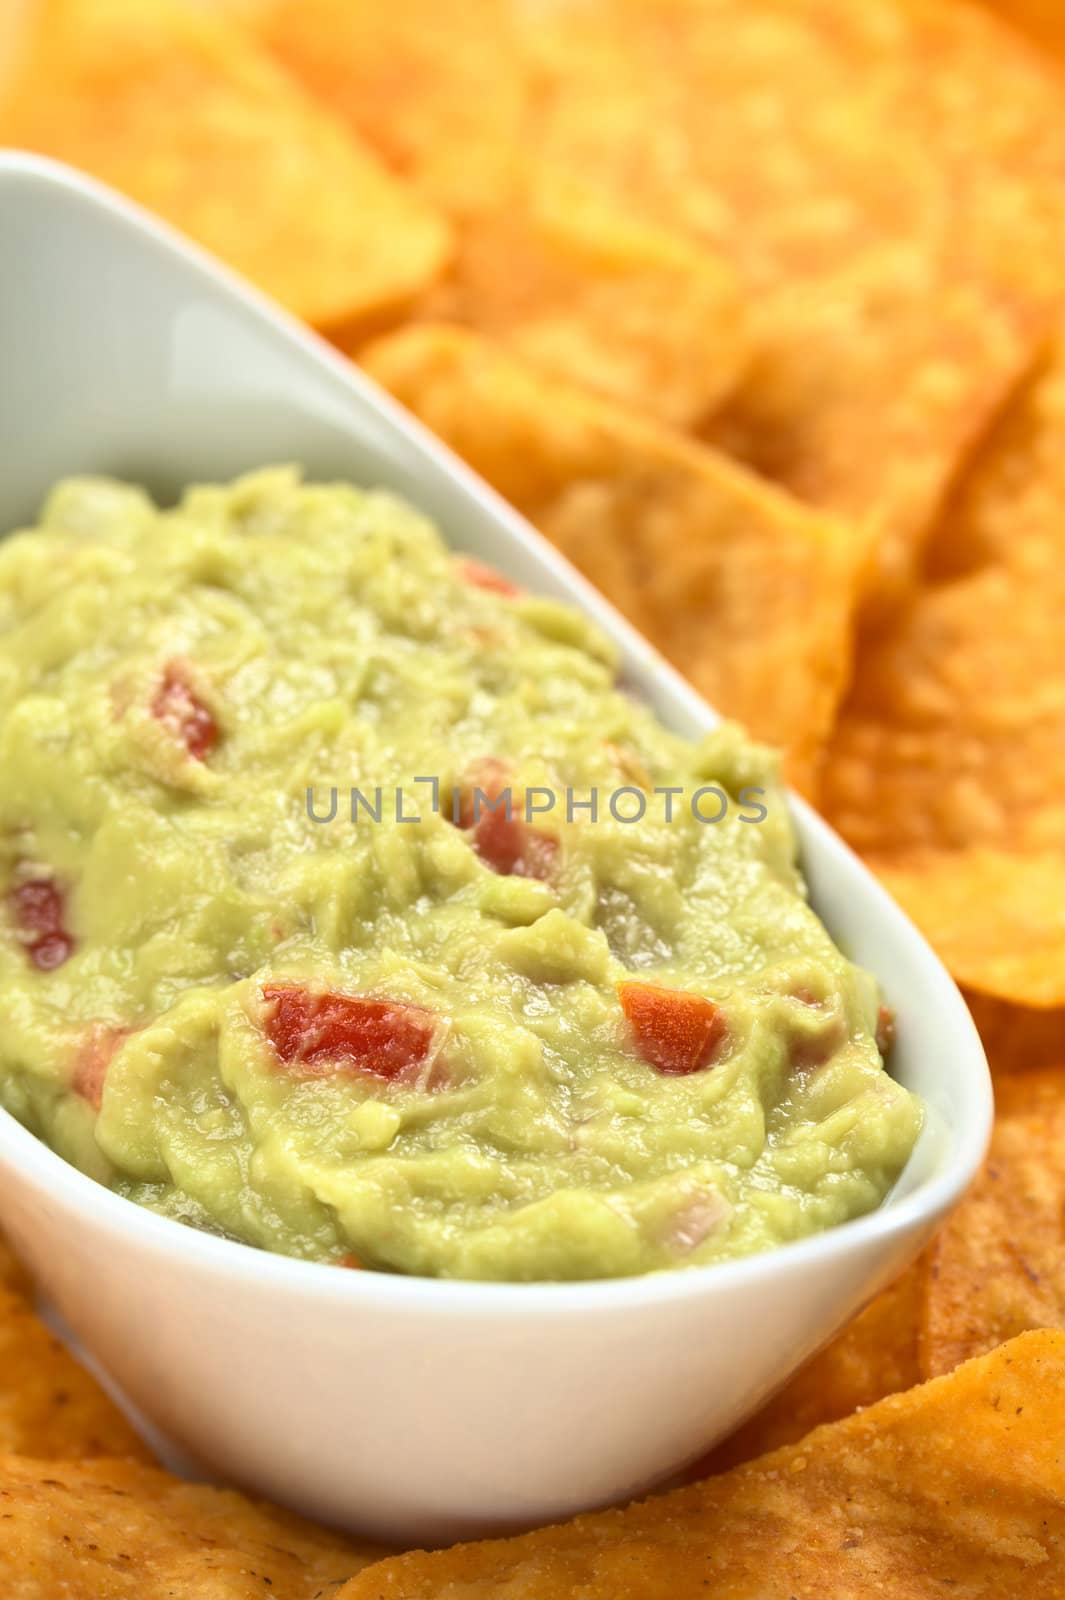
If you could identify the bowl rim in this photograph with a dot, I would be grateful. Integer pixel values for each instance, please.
(57, 1182)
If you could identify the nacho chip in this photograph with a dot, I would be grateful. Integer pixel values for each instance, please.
(115, 1530)
(49, 1405)
(438, 86)
(994, 916)
(1018, 1038)
(1042, 20)
(749, 593)
(957, 1486)
(952, 736)
(1006, 509)
(13, 1274)
(947, 770)
(903, 245)
(998, 1267)
(543, 261)
(875, 1355)
(597, 298)
(183, 111)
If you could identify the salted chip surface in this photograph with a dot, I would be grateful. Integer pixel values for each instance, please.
(1042, 20)
(957, 1486)
(439, 87)
(181, 109)
(887, 179)
(998, 1266)
(947, 768)
(13, 1274)
(108, 1530)
(1018, 1038)
(749, 593)
(543, 260)
(994, 916)
(49, 1405)
(574, 285)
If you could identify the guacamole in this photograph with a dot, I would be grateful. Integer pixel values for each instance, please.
(353, 909)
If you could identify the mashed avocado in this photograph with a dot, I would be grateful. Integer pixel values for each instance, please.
(310, 936)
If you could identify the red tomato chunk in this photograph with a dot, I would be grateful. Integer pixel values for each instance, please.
(510, 847)
(675, 1032)
(180, 709)
(39, 907)
(506, 843)
(386, 1038)
(94, 1058)
(482, 576)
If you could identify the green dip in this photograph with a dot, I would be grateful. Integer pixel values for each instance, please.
(548, 1047)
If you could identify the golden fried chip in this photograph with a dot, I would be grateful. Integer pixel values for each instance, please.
(13, 1274)
(954, 1487)
(748, 592)
(186, 113)
(951, 737)
(438, 86)
(1018, 1038)
(598, 298)
(889, 180)
(49, 1405)
(1041, 20)
(875, 1355)
(998, 1267)
(115, 1530)
(543, 262)
(947, 770)
(994, 917)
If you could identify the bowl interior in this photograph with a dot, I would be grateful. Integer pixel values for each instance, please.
(127, 351)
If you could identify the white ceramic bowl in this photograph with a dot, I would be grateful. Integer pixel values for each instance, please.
(406, 1408)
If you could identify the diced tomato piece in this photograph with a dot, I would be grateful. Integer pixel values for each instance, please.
(885, 1029)
(39, 906)
(507, 844)
(510, 847)
(482, 576)
(94, 1057)
(387, 1038)
(490, 778)
(351, 1261)
(180, 709)
(675, 1032)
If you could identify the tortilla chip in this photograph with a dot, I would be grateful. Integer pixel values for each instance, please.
(1018, 1038)
(957, 1486)
(903, 245)
(437, 86)
(951, 737)
(49, 1405)
(597, 298)
(993, 916)
(947, 769)
(13, 1274)
(875, 1355)
(998, 1267)
(543, 262)
(115, 1530)
(750, 594)
(184, 112)
(1042, 20)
